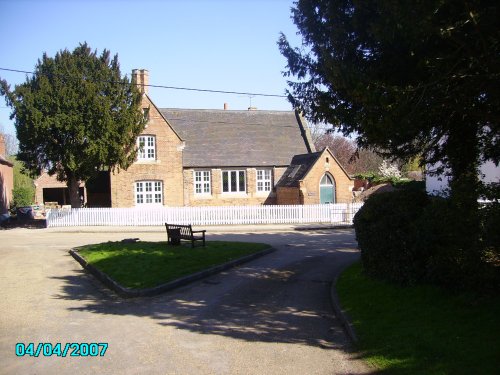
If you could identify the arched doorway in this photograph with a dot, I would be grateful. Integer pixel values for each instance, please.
(327, 189)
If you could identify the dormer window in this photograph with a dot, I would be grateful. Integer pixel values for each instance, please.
(147, 147)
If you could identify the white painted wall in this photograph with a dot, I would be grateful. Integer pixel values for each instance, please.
(436, 184)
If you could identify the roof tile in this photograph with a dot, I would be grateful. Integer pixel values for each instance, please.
(223, 138)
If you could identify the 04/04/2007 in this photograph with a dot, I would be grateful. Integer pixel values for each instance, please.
(67, 350)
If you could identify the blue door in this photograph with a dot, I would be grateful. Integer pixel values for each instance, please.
(327, 190)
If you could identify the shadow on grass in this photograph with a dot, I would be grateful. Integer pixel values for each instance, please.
(421, 329)
(148, 264)
(280, 298)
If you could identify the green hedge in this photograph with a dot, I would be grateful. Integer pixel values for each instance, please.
(406, 237)
(386, 230)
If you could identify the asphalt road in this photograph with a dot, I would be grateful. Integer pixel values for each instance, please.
(269, 316)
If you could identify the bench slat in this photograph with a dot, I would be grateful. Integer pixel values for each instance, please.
(186, 233)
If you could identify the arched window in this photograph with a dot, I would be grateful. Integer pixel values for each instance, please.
(327, 189)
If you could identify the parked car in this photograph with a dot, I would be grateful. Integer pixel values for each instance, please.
(4, 219)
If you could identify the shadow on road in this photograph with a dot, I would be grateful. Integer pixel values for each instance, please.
(282, 297)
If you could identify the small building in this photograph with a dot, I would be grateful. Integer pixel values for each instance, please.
(315, 178)
(50, 190)
(6, 179)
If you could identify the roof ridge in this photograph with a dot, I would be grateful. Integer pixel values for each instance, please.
(226, 110)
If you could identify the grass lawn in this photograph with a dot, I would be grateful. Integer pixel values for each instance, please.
(148, 264)
(421, 330)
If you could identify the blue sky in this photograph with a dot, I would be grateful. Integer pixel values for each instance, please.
(227, 45)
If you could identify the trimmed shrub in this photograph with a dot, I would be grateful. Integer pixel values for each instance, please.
(386, 230)
(459, 258)
(490, 215)
(406, 237)
(409, 185)
(490, 230)
(442, 234)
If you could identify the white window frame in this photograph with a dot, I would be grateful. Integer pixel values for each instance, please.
(264, 180)
(230, 175)
(148, 192)
(146, 145)
(202, 182)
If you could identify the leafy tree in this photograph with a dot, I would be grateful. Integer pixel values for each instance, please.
(76, 115)
(21, 197)
(23, 184)
(410, 78)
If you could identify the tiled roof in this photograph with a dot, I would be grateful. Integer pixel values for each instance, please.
(5, 161)
(227, 138)
(298, 169)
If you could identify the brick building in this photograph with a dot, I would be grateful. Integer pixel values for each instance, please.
(48, 189)
(315, 178)
(6, 179)
(194, 157)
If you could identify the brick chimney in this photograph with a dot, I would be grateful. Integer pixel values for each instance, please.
(226, 106)
(3, 151)
(141, 78)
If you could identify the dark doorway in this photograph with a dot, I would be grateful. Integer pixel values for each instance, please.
(60, 195)
(99, 190)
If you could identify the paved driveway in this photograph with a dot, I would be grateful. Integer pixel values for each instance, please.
(269, 316)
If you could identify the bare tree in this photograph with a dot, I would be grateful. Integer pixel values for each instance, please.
(342, 148)
(318, 130)
(353, 159)
(11, 144)
(365, 161)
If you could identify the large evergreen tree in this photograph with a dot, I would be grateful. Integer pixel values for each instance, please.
(408, 77)
(76, 115)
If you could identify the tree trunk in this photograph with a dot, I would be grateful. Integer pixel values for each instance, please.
(463, 156)
(74, 194)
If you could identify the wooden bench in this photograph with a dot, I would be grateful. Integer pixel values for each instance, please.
(184, 232)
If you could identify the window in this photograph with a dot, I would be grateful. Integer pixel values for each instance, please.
(148, 192)
(326, 181)
(327, 189)
(145, 112)
(202, 182)
(147, 147)
(233, 181)
(264, 180)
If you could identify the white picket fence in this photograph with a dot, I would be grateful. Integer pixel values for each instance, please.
(339, 214)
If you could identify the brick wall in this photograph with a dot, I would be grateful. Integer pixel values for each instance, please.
(6, 186)
(45, 182)
(288, 195)
(219, 198)
(167, 167)
(326, 164)
(6, 180)
(3, 148)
